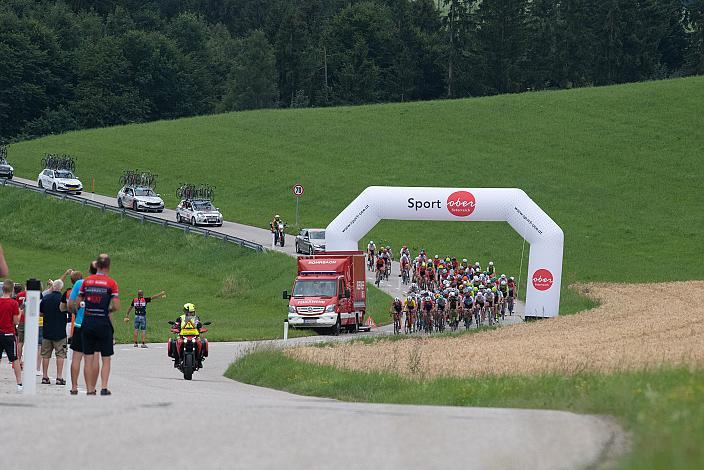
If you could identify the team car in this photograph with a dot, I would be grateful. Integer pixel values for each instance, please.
(140, 198)
(6, 170)
(198, 212)
(59, 180)
(58, 174)
(310, 241)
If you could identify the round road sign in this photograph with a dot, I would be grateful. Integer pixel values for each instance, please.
(298, 190)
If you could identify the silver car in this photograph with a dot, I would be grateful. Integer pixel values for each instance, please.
(140, 198)
(310, 241)
(198, 212)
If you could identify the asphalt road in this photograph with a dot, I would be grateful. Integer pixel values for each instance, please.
(155, 419)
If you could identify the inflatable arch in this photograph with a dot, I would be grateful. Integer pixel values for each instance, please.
(466, 205)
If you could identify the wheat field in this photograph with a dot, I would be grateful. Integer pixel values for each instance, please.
(636, 326)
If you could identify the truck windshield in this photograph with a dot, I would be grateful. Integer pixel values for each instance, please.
(315, 288)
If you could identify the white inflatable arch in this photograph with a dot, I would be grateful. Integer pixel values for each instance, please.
(466, 205)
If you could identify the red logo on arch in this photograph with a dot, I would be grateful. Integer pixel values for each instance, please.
(542, 279)
(461, 203)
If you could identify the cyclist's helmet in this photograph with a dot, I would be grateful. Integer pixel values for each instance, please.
(397, 299)
(277, 216)
(511, 278)
(491, 263)
(189, 308)
(476, 263)
(371, 242)
(436, 257)
(503, 276)
(493, 289)
(464, 260)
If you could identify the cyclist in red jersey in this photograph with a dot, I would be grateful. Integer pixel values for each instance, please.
(100, 295)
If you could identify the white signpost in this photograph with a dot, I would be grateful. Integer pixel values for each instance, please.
(298, 191)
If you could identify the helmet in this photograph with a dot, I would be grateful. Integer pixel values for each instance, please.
(397, 299)
(189, 308)
(477, 263)
(491, 263)
(277, 216)
(447, 259)
(476, 289)
(493, 289)
(464, 260)
(511, 278)
(371, 242)
(503, 276)
(388, 247)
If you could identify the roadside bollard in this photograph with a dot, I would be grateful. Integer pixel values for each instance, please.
(285, 330)
(67, 362)
(31, 337)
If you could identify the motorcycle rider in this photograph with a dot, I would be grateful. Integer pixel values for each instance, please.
(274, 225)
(188, 316)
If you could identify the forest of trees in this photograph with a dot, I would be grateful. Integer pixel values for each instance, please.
(77, 64)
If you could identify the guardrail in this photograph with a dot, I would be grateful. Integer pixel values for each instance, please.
(136, 215)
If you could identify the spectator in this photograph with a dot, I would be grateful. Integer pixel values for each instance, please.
(20, 297)
(76, 335)
(54, 338)
(9, 317)
(4, 271)
(101, 296)
(139, 304)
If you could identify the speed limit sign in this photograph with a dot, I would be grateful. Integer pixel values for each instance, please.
(298, 190)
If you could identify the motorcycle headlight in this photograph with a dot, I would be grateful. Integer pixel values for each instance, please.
(291, 309)
(330, 308)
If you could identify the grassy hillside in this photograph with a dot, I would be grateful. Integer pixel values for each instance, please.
(237, 289)
(619, 168)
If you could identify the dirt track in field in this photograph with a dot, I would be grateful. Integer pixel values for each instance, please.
(636, 326)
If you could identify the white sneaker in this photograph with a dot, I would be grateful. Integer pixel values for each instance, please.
(38, 373)
(19, 387)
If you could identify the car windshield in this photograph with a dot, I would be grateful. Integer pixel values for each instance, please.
(315, 288)
(202, 205)
(317, 235)
(143, 192)
(64, 174)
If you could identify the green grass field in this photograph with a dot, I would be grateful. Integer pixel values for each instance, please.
(237, 289)
(662, 409)
(619, 168)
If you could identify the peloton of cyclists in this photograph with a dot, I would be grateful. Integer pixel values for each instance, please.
(447, 292)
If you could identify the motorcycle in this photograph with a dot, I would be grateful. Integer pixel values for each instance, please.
(279, 234)
(188, 349)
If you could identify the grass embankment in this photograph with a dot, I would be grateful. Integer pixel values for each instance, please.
(237, 289)
(662, 409)
(618, 168)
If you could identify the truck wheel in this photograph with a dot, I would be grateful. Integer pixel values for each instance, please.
(356, 322)
(336, 329)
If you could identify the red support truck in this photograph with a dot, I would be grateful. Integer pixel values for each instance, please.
(330, 292)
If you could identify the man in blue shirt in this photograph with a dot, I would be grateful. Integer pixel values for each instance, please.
(76, 344)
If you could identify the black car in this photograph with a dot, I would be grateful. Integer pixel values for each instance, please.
(6, 170)
(310, 241)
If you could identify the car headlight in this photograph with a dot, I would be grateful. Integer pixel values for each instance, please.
(291, 309)
(330, 308)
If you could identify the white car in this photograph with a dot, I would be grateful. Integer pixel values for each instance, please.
(59, 180)
(140, 198)
(198, 212)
